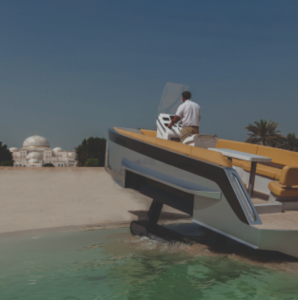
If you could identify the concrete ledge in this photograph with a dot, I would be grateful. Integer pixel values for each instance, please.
(288, 203)
(271, 208)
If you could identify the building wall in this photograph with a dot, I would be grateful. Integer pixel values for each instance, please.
(58, 159)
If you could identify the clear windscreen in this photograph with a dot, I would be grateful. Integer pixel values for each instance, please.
(171, 98)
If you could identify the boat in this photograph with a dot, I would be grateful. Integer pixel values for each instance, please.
(213, 188)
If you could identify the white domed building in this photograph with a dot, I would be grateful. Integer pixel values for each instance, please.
(36, 152)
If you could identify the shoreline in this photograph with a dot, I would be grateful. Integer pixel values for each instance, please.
(87, 227)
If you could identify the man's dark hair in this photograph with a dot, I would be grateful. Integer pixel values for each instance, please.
(186, 95)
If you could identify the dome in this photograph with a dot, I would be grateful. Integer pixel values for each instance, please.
(33, 161)
(36, 141)
(72, 154)
(34, 155)
(13, 149)
(57, 149)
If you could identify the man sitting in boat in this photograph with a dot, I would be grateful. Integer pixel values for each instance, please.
(189, 113)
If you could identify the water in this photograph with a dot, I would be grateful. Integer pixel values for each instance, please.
(111, 264)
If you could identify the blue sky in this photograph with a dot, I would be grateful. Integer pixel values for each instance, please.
(71, 69)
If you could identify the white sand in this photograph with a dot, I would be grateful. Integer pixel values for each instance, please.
(35, 198)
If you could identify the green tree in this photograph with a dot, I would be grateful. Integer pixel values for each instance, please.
(93, 147)
(264, 133)
(5, 154)
(6, 163)
(48, 165)
(290, 142)
(92, 162)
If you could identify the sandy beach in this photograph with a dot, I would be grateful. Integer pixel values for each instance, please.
(43, 198)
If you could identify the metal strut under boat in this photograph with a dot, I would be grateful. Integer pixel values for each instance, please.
(163, 189)
(151, 229)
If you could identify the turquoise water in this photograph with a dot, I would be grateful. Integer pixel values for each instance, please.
(111, 264)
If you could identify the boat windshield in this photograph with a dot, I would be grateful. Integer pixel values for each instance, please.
(171, 98)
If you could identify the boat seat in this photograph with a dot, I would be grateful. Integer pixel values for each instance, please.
(287, 186)
(238, 146)
(237, 162)
(282, 190)
(279, 156)
(289, 176)
(278, 174)
(263, 170)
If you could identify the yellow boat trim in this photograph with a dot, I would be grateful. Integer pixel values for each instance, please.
(198, 153)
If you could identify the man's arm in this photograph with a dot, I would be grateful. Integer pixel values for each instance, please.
(175, 120)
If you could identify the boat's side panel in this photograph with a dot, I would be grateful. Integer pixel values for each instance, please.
(285, 241)
(213, 214)
(206, 171)
(217, 215)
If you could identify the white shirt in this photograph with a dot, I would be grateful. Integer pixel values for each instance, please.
(189, 113)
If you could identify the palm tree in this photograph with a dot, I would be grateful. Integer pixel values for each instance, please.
(290, 142)
(264, 133)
